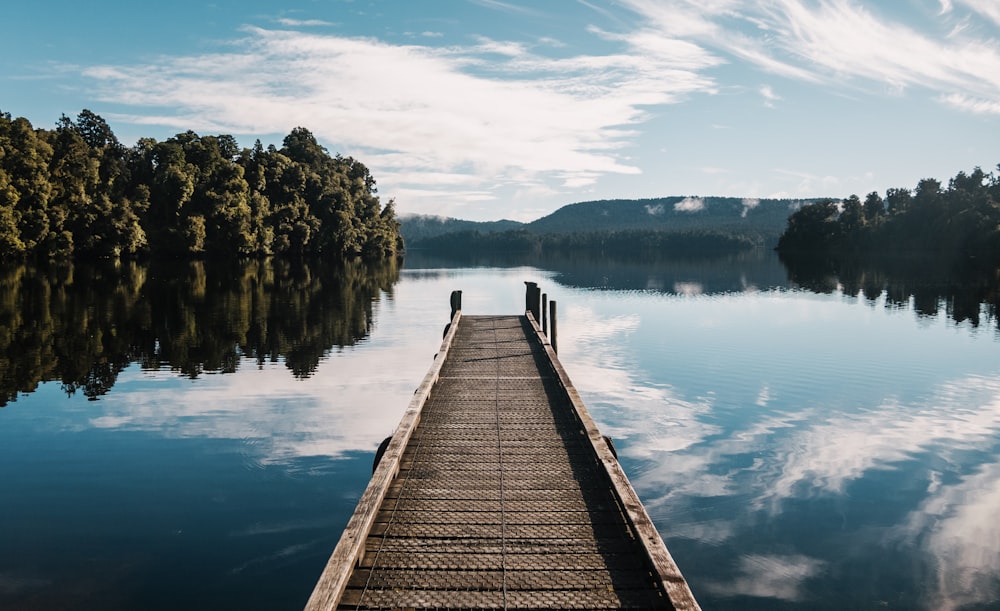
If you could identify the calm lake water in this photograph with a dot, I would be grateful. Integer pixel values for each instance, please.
(188, 437)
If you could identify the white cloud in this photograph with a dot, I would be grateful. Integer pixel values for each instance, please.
(767, 92)
(656, 210)
(987, 8)
(299, 23)
(976, 105)
(838, 42)
(407, 110)
(749, 203)
(690, 204)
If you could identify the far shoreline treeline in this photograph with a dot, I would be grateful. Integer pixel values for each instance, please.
(957, 226)
(76, 192)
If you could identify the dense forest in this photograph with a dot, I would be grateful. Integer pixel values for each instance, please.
(76, 191)
(958, 226)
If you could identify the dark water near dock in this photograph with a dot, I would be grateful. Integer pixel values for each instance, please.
(196, 437)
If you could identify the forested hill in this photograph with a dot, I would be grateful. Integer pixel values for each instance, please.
(762, 217)
(76, 191)
(643, 227)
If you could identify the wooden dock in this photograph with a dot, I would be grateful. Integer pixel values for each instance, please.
(497, 491)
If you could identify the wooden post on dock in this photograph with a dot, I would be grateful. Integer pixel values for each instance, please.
(552, 326)
(545, 317)
(533, 300)
(456, 303)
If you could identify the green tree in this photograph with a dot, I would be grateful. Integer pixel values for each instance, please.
(812, 227)
(874, 208)
(851, 215)
(26, 164)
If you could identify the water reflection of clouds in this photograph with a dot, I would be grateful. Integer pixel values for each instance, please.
(769, 576)
(591, 353)
(824, 457)
(958, 527)
(705, 480)
(350, 404)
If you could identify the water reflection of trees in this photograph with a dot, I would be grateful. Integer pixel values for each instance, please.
(727, 273)
(926, 285)
(82, 325)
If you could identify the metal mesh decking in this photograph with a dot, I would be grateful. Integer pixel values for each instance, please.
(500, 501)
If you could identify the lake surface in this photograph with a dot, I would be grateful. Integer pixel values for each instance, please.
(196, 437)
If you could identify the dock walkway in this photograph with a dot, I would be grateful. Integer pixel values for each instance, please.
(498, 492)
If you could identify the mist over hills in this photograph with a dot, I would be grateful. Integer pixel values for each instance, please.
(761, 220)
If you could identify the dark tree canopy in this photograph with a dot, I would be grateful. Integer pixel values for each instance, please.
(76, 191)
(959, 223)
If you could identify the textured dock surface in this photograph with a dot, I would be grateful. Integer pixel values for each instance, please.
(500, 500)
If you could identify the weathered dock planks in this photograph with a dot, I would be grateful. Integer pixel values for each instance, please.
(497, 491)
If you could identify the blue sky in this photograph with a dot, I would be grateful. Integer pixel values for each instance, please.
(489, 109)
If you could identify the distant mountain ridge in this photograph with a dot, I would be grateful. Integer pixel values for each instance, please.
(763, 218)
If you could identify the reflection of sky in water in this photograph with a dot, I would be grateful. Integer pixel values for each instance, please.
(802, 448)
(793, 448)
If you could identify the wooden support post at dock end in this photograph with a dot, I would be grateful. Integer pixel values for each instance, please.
(552, 326)
(529, 296)
(545, 314)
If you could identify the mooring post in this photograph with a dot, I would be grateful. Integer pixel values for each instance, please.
(456, 305)
(530, 289)
(552, 326)
(545, 317)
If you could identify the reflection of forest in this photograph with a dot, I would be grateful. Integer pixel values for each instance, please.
(81, 325)
(747, 270)
(932, 285)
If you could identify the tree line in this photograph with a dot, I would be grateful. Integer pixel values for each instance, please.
(958, 224)
(76, 191)
(623, 244)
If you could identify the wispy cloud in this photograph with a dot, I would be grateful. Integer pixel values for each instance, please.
(976, 105)
(987, 8)
(769, 96)
(407, 110)
(841, 42)
(302, 23)
(507, 7)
